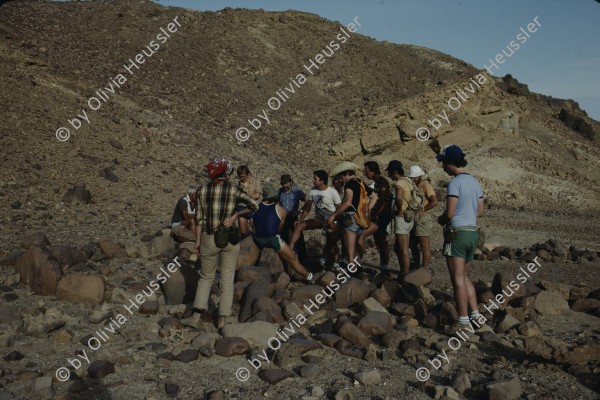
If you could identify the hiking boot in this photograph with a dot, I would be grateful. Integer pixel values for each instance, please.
(457, 326)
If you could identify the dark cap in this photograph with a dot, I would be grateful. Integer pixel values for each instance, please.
(395, 165)
(450, 151)
(285, 178)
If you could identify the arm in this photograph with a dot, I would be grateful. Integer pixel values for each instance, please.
(480, 207)
(432, 203)
(399, 195)
(305, 211)
(199, 222)
(384, 193)
(451, 203)
(282, 214)
(343, 206)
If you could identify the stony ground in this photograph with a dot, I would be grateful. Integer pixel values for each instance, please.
(149, 141)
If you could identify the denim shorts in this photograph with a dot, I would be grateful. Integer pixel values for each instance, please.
(354, 228)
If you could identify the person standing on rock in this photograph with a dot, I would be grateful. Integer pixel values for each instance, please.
(215, 206)
(268, 221)
(401, 191)
(290, 196)
(423, 224)
(381, 214)
(464, 204)
(349, 207)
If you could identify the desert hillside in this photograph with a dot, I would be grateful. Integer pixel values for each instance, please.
(140, 130)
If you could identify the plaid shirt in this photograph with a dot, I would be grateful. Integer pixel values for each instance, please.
(216, 203)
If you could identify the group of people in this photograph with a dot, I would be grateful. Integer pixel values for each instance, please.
(348, 211)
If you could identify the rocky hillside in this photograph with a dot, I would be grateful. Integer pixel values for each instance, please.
(149, 94)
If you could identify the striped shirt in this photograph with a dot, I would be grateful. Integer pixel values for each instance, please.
(216, 203)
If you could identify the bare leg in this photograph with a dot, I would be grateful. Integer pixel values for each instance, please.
(286, 255)
(360, 243)
(350, 240)
(243, 225)
(424, 244)
(401, 249)
(301, 227)
(456, 268)
(382, 246)
(472, 295)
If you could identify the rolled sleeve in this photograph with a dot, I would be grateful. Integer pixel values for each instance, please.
(249, 201)
(199, 217)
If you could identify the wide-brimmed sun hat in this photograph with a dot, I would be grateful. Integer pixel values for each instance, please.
(269, 191)
(345, 166)
(415, 171)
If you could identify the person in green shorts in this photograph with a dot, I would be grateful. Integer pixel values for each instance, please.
(464, 204)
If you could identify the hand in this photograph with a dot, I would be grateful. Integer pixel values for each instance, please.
(331, 219)
(197, 248)
(230, 221)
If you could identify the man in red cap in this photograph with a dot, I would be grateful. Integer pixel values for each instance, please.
(215, 206)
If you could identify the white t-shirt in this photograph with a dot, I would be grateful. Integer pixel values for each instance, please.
(325, 201)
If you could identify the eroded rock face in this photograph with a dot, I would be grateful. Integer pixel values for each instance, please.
(79, 288)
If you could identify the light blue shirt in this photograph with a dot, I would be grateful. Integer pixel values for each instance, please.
(468, 190)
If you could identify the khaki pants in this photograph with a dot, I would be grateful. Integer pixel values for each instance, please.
(209, 256)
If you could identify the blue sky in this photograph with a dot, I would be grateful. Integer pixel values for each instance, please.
(561, 59)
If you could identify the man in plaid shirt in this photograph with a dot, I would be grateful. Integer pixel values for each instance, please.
(215, 205)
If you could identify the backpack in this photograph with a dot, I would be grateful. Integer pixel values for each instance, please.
(361, 216)
(415, 202)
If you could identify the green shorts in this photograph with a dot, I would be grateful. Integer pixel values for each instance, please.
(423, 224)
(271, 242)
(463, 246)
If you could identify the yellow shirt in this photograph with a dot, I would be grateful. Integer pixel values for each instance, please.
(406, 187)
(426, 188)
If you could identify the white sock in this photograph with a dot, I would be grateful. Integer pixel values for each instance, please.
(475, 315)
(310, 276)
(463, 320)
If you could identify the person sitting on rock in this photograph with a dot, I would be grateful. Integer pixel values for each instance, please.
(268, 222)
(290, 196)
(326, 200)
(182, 222)
(252, 188)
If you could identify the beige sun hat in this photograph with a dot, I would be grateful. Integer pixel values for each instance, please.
(345, 166)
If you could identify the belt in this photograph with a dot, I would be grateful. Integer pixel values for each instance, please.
(466, 229)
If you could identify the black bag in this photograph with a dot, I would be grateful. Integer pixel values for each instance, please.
(449, 234)
(234, 235)
(221, 236)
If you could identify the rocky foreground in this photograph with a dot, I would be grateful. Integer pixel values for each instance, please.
(112, 321)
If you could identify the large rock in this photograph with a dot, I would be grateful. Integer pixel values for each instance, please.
(504, 390)
(371, 304)
(254, 291)
(33, 258)
(586, 305)
(46, 278)
(419, 277)
(354, 335)
(161, 244)
(257, 333)
(269, 259)
(507, 284)
(270, 308)
(231, 346)
(79, 288)
(352, 292)
(181, 286)
(376, 323)
(249, 253)
(112, 249)
(66, 255)
(550, 303)
(251, 273)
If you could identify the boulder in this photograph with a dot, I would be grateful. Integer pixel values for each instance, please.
(586, 305)
(504, 390)
(507, 284)
(269, 307)
(249, 253)
(352, 292)
(254, 291)
(371, 304)
(99, 369)
(46, 278)
(257, 333)
(112, 249)
(38, 239)
(181, 286)
(376, 323)
(231, 346)
(550, 303)
(270, 259)
(419, 277)
(161, 244)
(371, 377)
(79, 288)
(354, 335)
(33, 258)
(382, 297)
(66, 255)
(251, 273)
